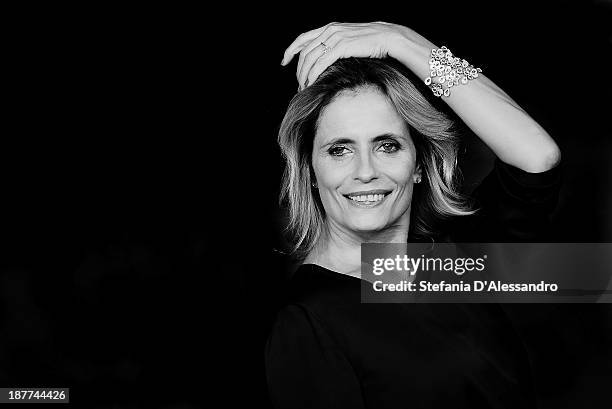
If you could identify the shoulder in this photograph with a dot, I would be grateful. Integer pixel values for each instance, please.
(317, 301)
(309, 326)
(312, 286)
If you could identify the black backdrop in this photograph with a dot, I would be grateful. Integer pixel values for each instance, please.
(140, 175)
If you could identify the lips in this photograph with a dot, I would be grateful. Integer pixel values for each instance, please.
(368, 198)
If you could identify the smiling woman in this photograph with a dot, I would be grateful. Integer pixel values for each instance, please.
(374, 134)
(370, 159)
(379, 160)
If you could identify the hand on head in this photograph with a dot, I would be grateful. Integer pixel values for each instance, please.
(320, 48)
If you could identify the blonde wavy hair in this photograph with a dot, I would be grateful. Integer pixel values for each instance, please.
(437, 143)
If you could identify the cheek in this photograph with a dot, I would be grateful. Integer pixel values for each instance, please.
(401, 171)
(329, 175)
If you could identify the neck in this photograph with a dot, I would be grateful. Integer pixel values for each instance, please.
(340, 250)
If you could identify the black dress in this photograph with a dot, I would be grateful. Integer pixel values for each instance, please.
(328, 350)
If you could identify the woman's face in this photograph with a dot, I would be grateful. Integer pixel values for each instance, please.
(364, 163)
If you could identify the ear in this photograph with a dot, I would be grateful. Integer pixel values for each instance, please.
(417, 174)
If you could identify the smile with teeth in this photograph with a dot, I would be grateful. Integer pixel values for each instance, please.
(367, 198)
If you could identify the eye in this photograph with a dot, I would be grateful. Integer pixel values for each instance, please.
(338, 150)
(389, 146)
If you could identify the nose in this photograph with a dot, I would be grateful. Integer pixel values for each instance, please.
(365, 168)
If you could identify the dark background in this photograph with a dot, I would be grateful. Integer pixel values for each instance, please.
(140, 173)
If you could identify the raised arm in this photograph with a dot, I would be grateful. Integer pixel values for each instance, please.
(515, 137)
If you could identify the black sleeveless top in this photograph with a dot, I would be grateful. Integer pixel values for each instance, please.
(328, 350)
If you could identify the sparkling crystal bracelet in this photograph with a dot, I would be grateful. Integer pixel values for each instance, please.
(447, 71)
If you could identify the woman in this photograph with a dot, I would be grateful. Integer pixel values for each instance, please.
(371, 159)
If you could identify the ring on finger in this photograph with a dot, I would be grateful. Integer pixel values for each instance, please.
(326, 48)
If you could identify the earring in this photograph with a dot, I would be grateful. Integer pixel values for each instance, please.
(314, 185)
(418, 179)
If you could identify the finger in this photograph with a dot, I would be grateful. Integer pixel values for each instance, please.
(321, 65)
(347, 47)
(323, 37)
(302, 40)
(318, 53)
(309, 59)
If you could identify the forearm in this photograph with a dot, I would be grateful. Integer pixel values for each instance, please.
(488, 111)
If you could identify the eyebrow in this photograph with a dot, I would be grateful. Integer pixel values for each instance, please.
(375, 139)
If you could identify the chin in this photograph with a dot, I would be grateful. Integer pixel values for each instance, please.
(365, 226)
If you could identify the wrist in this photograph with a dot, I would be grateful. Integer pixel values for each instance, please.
(412, 50)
